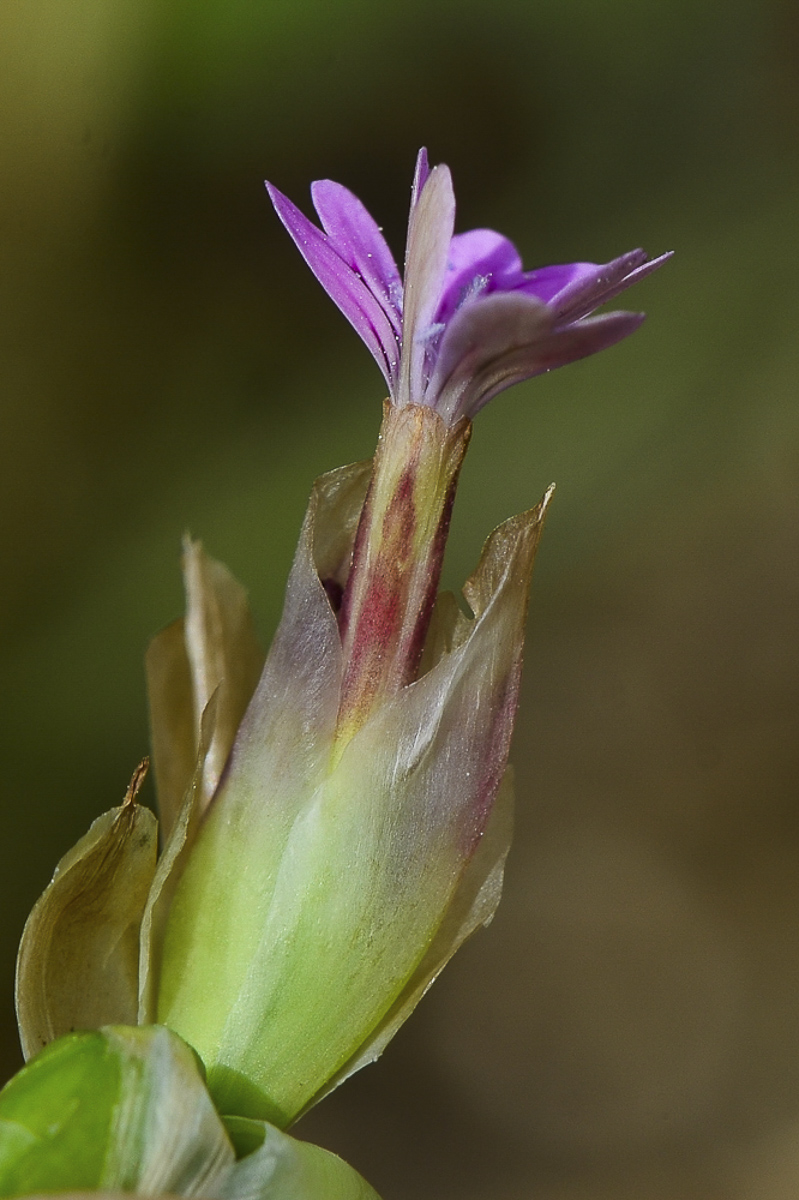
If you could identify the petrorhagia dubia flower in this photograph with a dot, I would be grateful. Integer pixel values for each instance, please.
(311, 890)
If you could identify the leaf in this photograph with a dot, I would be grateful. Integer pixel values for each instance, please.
(121, 1109)
(282, 1168)
(38, 1147)
(284, 744)
(78, 959)
(166, 1136)
(126, 1110)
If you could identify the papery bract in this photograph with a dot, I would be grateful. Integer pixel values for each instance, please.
(320, 879)
(78, 960)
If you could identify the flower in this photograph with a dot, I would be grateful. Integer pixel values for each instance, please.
(333, 832)
(469, 321)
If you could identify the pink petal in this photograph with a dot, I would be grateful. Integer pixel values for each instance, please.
(342, 284)
(480, 257)
(358, 240)
(429, 235)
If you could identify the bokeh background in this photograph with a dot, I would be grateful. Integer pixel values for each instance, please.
(629, 1026)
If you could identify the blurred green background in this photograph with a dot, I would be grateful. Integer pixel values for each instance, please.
(629, 1025)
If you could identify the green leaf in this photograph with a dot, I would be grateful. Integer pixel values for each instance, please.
(56, 1115)
(279, 1167)
(122, 1109)
(126, 1110)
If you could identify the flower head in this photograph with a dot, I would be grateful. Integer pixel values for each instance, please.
(468, 321)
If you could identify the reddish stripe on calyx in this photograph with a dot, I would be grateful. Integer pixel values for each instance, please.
(397, 558)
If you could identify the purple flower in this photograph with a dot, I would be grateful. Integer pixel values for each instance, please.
(468, 321)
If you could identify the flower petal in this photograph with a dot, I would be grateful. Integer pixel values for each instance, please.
(429, 236)
(478, 339)
(590, 289)
(342, 284)
(592, 334)
(478, 261)
(547, 283)
(556, 349)
(506, 338)
(421, 175)
(357, 238)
